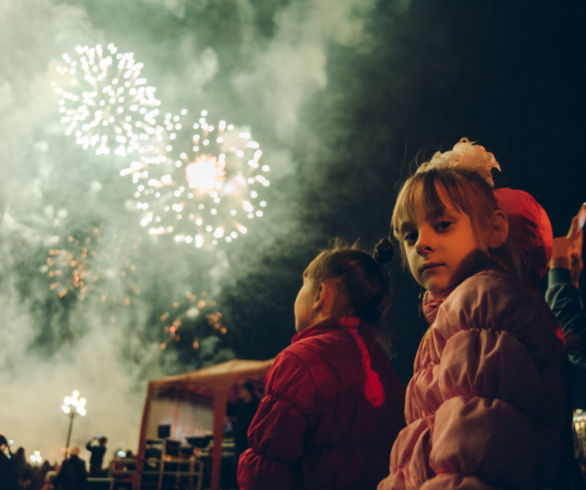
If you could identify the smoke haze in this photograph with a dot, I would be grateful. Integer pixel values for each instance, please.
(341, 96)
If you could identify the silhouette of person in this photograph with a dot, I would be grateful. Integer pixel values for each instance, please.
(97, 457)
(73, 473)
(243, 412)
(7, 472)
(23, 470)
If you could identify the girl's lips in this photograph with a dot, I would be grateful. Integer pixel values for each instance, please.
(430, 265)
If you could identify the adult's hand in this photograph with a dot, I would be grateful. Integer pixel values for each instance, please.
(567, 250)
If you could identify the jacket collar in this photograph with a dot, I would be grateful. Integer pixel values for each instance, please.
(334, 323)
(373, 387)
(431, 303)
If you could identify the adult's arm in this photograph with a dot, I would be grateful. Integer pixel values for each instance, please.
(564, 300)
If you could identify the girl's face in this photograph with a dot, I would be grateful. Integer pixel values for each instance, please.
(303, 308)
(441, 251)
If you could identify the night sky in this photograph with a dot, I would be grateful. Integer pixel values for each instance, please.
(343, 96)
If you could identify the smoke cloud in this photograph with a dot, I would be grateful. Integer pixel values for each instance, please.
(256, 64)
(341, 96)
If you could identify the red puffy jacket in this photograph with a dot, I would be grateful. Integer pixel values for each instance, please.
(332, 410)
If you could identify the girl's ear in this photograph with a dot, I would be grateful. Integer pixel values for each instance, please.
(324, 298)
(319, 295)
(499, 231)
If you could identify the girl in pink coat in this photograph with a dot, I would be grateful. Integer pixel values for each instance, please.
(486, 405)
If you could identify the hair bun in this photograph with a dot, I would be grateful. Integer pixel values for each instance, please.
(383, 251)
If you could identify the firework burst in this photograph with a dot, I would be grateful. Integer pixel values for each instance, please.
(68, 266)
(200, 182)
(87, 267)
(104, 102)
(189, 309)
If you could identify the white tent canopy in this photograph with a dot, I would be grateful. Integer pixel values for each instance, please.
(194, 403)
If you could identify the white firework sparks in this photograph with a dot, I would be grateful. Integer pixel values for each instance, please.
(104, 101)
(202, 183)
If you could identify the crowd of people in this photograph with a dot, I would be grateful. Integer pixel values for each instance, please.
(496, 376)
(16, 473)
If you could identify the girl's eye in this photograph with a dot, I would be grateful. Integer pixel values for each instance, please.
(410, 238)
(442, 225)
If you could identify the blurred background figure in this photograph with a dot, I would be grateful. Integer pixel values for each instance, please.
(97, 446)
(242, 411)
(7, 473)
(73, 473)
(23, 470)
(50, 478)
(563, 296)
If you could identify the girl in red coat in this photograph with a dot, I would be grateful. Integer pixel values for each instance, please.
(485, 407)
(333, 405)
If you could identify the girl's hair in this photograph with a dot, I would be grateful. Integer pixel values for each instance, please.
(467, 190)
(362, 281)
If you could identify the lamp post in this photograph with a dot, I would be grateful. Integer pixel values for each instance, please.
(72, 405)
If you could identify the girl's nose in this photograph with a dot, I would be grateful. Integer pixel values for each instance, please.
(424, 242)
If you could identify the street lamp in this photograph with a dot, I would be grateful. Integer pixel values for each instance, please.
(73, 405)
(36, 457)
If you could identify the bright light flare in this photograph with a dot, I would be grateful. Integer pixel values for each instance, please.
(206, 174)
(36, 457)
(74, 404)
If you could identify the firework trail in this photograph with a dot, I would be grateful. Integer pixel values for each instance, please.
(104, 102)
(199, 182)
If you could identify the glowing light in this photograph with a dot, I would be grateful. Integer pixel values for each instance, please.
(74, 404)
(105, 103)
(36, 457)
(199, 181)
(579, 422)
(206, 174)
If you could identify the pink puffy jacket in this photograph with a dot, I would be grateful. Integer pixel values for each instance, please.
(485, 407)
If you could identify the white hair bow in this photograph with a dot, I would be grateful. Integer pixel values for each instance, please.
(467, 155)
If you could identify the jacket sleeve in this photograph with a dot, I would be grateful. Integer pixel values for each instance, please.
(277, 431)
(500, 386)
(564, 300)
